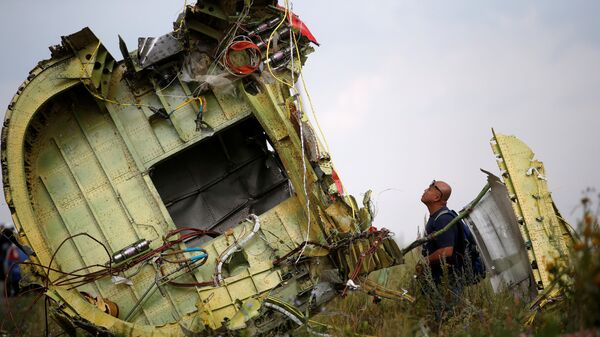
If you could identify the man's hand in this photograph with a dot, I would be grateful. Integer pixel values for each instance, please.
(419, 268)
(436, 257)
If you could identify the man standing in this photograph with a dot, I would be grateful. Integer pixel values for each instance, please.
(446, 247)
(446, 250)
(5, 243)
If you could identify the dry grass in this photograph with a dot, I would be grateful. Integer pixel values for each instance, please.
(479, 312)
(24, 316)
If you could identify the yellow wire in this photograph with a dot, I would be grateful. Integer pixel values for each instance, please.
(317, 120)
(312, 109)
(183, 18)
(188, 102)
(269, 45)
(96, 50)
(201, 100)
(112, 101)
(84, 72)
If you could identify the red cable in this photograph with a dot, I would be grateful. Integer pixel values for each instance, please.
(249, 47)
(372, 249)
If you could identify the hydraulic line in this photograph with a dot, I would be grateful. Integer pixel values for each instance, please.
(236, 246)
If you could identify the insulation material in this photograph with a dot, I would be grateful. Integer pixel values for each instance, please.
(219, 182)
(197, 68)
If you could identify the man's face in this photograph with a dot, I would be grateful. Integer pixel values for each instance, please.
(431, 193)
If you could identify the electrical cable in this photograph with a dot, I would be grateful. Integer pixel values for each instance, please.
(269, 46)
(7, 305)
(301, 125)
(46, 316)
(305, 87)
(71, 237)
(108, 100)
(308, 213)
(301, 131)
(183, 18)
(372, 249)
(280, 260)
(75, 280)
(292, 40)
(229, 37)
(252, 51)
(312, 109)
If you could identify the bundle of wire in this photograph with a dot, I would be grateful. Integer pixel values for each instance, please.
(244, 44)
(76, 278)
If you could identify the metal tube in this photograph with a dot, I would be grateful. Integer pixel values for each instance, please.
(235, 246)
(131, 251)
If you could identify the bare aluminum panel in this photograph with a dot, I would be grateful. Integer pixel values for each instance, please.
(495, 227)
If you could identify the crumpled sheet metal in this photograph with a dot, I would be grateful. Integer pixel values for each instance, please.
(154, 49)
(108, 107)
(494, 225)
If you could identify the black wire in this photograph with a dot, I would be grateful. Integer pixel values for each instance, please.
(8, 308)
(75, 280)
(46, 315)
(71, 237)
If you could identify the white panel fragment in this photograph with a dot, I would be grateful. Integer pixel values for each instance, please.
(495, 227)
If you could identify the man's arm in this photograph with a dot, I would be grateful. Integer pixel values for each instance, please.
(440, 254)
(435, 258)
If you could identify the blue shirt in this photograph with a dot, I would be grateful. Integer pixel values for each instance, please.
(447, 239)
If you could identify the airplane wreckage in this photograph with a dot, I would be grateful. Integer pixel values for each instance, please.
(182, 190)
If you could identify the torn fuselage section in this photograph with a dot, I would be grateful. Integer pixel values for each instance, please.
(183, 190)
(517, 226)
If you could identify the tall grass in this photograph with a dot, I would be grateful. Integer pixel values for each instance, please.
(477, 312)
(480, 312)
